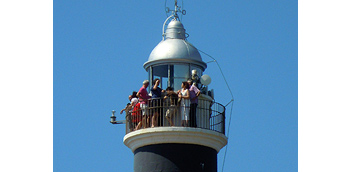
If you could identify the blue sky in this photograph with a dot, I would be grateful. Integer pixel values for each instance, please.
(99, 50)
(65, 65)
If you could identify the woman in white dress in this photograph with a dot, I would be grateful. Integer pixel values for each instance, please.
(184, 104)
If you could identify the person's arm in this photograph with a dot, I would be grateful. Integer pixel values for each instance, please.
(198, 93)
(196, 90)
(139, 96)
(156, 85)
(123, 110)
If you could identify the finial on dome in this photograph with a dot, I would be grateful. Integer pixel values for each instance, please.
(175, 28)
(175, 11)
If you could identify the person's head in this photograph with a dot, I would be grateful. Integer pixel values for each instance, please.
(194, 72)
(156, 80)
(134, 94)
(169, 89)
(134, 101)
(189, 82)
(145, 83)
(130, 97)
(185, 85)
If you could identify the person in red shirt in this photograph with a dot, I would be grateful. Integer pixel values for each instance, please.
(136, 114)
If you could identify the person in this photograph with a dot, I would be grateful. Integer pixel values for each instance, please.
(143, 98)
(136, 114)
(171, 101)
(128, 109)
(156, 101)
(183, 94)
(134, 94)
(194, 93)
(195, 78)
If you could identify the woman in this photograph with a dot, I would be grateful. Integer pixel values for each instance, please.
(183, 94)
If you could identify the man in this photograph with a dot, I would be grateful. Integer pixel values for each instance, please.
(156, 102)
(143, 98)
(193, 93)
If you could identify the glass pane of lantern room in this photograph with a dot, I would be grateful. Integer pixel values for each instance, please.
(161, 73)
(181, 73)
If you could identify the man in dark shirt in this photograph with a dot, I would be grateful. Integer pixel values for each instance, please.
(156, 101)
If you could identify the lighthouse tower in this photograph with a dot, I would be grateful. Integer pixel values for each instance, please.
(176, 147)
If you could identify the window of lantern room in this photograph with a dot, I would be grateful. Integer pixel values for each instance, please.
(171, 75)
(179, 74)
(160, 72)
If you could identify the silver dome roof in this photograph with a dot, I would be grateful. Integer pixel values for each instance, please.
(175, 49)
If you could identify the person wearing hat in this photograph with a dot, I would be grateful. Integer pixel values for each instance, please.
(143, 98)
(136, 114)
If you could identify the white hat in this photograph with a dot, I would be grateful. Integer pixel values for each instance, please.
(134, 100)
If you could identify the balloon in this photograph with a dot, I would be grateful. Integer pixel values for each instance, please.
(205, 80)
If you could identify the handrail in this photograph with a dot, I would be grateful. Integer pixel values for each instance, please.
(173, 113)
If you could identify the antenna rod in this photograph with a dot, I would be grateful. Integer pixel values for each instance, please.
(176, 9)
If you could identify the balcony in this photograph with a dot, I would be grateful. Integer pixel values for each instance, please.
(161, 113)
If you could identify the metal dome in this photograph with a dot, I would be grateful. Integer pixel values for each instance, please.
(175, 49)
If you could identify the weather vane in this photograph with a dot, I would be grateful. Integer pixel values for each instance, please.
(175, 11)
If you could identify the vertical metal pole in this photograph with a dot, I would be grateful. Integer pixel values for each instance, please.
(223, 121)
(168, 75)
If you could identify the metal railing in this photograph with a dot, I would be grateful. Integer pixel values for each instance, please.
(176, 113)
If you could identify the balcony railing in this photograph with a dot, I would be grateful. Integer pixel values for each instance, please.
(174, 113)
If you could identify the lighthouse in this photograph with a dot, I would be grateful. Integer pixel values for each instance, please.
(172, 145)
